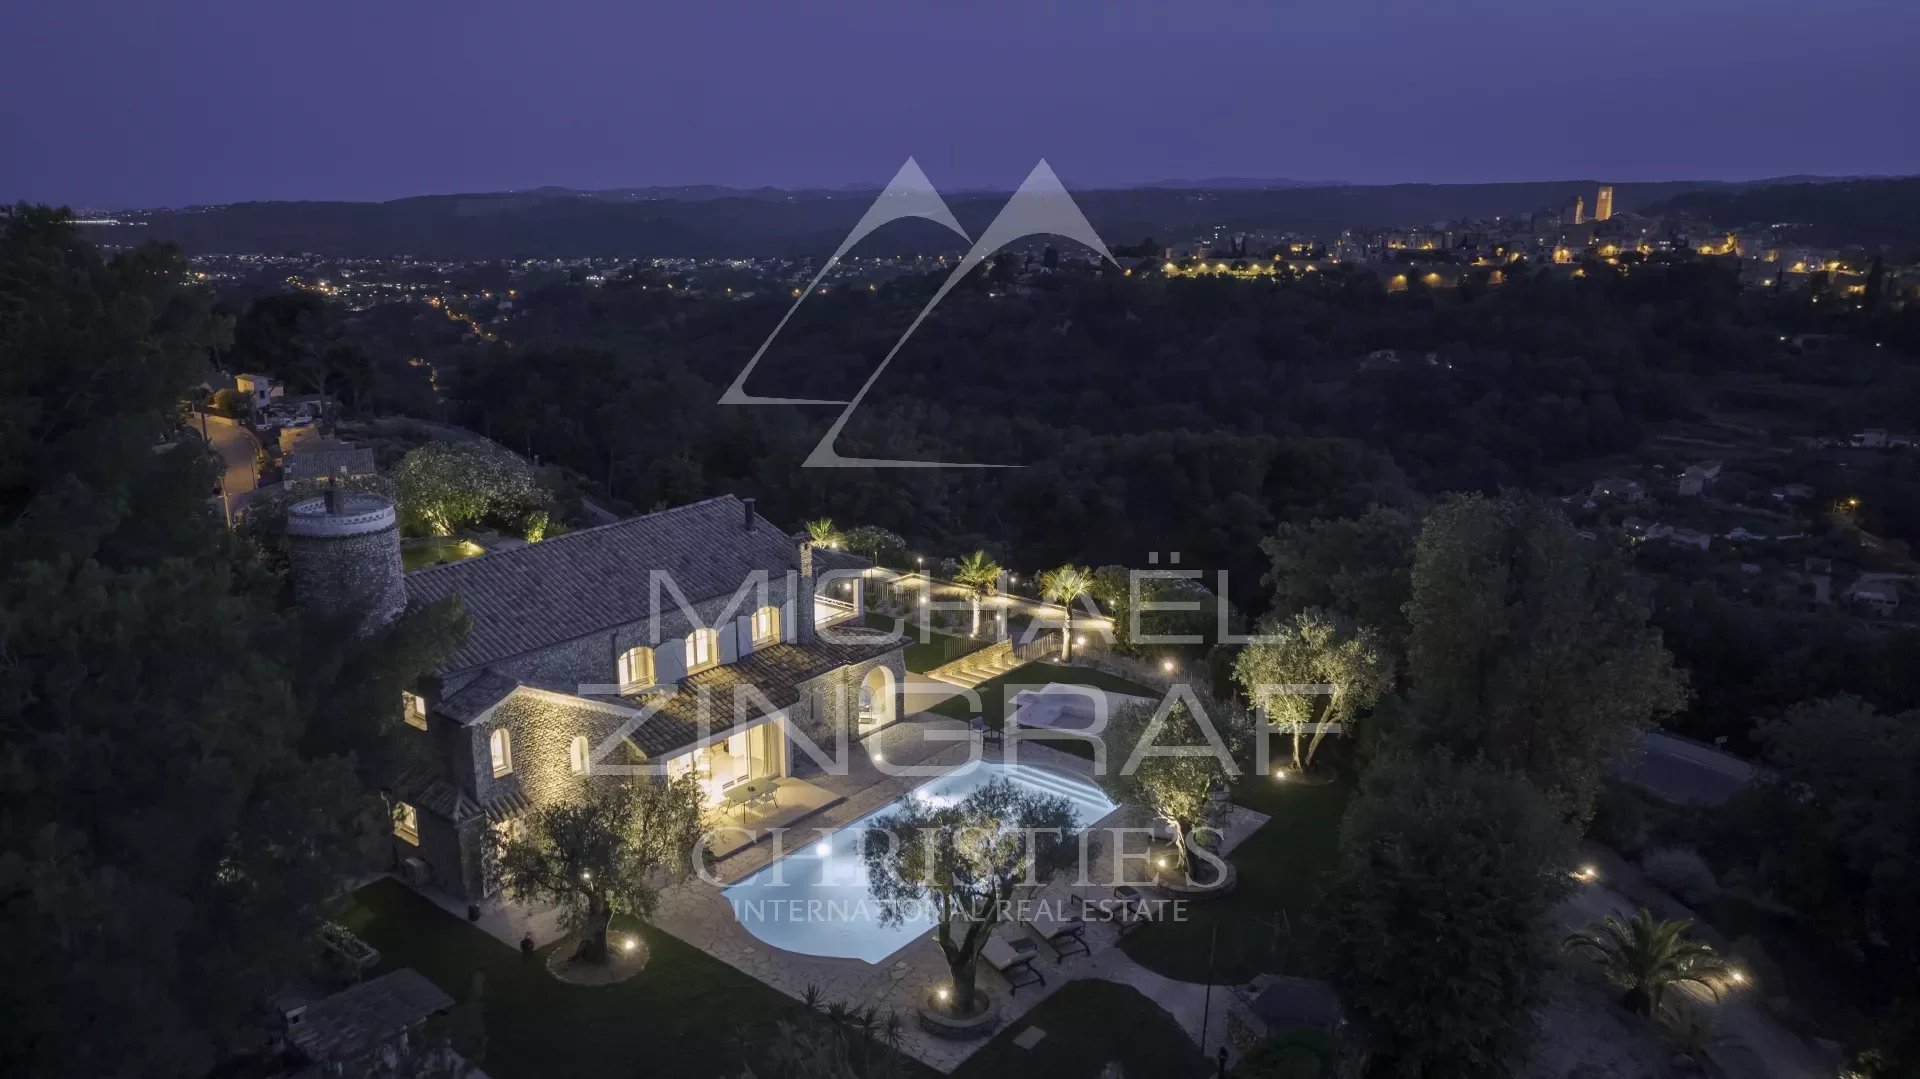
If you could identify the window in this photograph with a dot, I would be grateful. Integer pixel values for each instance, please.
(414, 707)
(700, 649)
(766, 625)
(577, 760)
(406, 822)
(636, 667)
(501, 745)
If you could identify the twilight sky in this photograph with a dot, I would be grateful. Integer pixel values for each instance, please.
(116, 103)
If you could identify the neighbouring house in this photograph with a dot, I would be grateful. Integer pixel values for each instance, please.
(1794, 491)
(261, 390)
(363, 1029)
(697, 641)
(1877, 438)
(314, 457)
(1689, 537)
(1636, 527)
(1619, 488)
(1878, 592)
(1697, 478)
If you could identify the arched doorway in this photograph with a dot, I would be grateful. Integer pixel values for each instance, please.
(879, 699)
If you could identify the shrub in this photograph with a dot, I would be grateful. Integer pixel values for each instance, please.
(1619, 820)
(1682, 872)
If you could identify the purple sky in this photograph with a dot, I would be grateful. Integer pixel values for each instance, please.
(141, 103)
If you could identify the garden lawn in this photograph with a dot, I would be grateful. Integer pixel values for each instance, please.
(1087, 1024)
(1282, 868)
(938, 649)
(681, 1016)
(993, 697)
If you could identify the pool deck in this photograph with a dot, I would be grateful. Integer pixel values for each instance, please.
(698, 913)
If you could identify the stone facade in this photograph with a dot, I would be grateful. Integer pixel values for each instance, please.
(831, 702)
(540, 730)
(345, 555)
(594, 660)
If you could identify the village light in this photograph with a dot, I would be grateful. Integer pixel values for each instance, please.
(944, 993)
(1587, 872)
(1279, 773)
(628, 945)
(1167, 665)
(1738, 976)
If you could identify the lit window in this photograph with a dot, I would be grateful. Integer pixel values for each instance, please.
(700, 649)
(502, 747)
(766, 625)
(577, 755)
(415, 709)
(406, 822)
(636, 667)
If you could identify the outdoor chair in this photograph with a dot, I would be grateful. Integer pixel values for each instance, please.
(1066, 936)
(1014, 960)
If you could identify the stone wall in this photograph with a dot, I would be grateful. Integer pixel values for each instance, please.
(595, 659)
(540, 730)
(832, 701)
(336, 573)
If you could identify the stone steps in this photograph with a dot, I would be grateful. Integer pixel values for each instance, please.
(990, 662)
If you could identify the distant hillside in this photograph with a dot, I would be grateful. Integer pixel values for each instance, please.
(706, 222)
(1871, 213)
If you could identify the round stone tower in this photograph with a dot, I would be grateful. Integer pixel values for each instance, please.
(345, 551)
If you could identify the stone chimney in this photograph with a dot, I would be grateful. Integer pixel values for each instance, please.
(746, 523)
(803, 602)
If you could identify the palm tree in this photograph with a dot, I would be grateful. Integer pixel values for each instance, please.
(980, 576)
(821, 533)
(1649, 956)
(1065, 585)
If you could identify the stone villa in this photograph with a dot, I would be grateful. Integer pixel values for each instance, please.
(700, 640)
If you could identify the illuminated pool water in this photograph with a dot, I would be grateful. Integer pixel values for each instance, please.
(815, 901)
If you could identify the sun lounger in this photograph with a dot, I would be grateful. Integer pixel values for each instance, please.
(1014, 960)
(1064, 935)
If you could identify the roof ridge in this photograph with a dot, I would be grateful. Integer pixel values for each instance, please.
(548, 544)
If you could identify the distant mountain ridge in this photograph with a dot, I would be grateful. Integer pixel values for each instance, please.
(714, 221)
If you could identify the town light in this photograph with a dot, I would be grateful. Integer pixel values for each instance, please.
(1738, 976)
(628, 945)
(1279, 773)
(1166, 665)
(1587, 872)
(945, 993)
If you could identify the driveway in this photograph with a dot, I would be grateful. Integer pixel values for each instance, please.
(237, 448)
(1685, 772)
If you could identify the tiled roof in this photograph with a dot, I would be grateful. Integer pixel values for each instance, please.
(429, 792)
(366, 1016)
(567, 587)
(466, 704)
(829, 558)
(329, 460)
(775, 673)
(509, 803)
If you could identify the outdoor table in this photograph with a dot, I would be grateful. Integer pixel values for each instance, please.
(742, 795)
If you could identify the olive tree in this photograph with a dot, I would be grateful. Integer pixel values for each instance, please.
(1172, 768)
(967, 862)
(1310, 674)
(602, 855)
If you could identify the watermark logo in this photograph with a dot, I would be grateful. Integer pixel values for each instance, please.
(1040, 207)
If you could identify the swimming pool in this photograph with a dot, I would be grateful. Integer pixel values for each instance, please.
(815, 901)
